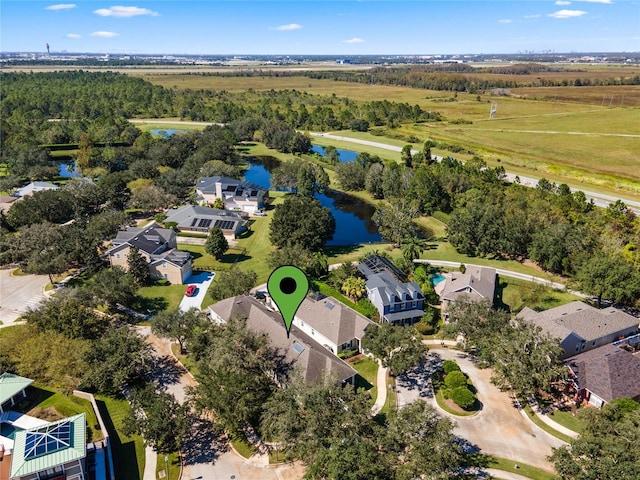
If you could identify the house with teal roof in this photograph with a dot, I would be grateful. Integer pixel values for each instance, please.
(55, 451)
(12, 387)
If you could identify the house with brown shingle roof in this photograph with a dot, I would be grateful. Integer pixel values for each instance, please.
(475, 284)
(579, 327)
(313, 361)
(331, 323)
(607, 373)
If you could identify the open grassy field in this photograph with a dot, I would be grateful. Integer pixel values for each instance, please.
(533, 132)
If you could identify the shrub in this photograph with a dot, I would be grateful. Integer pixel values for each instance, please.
(450, 366)
(463, 397)
(455, 379)
(424, 328)
(347, 354)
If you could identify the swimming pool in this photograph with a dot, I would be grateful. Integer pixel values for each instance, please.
(437, 278)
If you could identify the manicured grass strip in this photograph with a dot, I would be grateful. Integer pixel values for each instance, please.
(242, 446)
(186, 360)
(128, 452)
(174, 465)
(368, 370)
(523, 469)
(545, 427)
(392, 401)
(566, 419)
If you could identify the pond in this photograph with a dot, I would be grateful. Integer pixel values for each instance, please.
(68, 170)
(165, 132)
(344, 155)
(353, 216)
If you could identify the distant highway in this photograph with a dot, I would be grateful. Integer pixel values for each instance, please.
(599, 199)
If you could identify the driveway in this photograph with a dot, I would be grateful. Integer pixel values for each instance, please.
(17, 293)
(499, 428)
(202, 281)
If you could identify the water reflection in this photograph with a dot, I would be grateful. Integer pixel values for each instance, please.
(353, 216)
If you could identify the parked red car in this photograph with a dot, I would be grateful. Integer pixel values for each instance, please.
(191, 291)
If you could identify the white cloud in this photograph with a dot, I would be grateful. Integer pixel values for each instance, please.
(608, 2)
(567, 14)
(61, 6)
(353, 40)
(73, 35)
(289, 26)
(123, 12)
(537, 15)
(104, 34)
(505, 20)
(563, 2)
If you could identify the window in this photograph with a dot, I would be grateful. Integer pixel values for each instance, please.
(117, 256)
(577, 347)
(593, 344)
(165, 275)
(164, 264)
(313, 332)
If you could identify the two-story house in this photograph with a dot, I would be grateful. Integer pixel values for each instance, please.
(299, 350)
(331, 323)
(475, 284)
(158, 246)
(580, 327)
(398, 302)
(236, 194)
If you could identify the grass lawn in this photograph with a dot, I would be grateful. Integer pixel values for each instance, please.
(432, 227)
(128, 452)
(188, 362)
(392, 401)
(174, 465)
(66, 406)
(566, 419)
(242, 446)
(158, 297)
(383, 153)
(367, 371)
(517, 294)
(330, 291)
(523, 469)
(545, 427)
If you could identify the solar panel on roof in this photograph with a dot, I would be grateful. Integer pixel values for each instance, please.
(204, 223)
(194, 221)
(329, 305)
(224, 224)
(298, 348)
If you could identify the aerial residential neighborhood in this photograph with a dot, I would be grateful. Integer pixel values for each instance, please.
(320, 240)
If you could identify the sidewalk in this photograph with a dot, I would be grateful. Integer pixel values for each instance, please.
(555, 425)
(150, 462)
(381, 381)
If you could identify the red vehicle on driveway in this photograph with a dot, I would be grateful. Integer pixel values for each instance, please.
(191, 291)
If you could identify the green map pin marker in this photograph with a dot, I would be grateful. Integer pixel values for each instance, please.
(288, 286)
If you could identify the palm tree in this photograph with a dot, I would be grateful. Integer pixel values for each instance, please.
(354, 288)
(412, 248)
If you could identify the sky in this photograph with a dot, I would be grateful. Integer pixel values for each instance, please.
(327, 27)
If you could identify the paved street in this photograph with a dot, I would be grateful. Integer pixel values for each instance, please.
(18, 293)
(499, 428)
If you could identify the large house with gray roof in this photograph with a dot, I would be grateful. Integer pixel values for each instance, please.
(607, 373)
(158, 246)
(236, 194)
(300, 350)
(198, 219)
(331, 323)
(580, 327)
(475, 284)
(34, 187)
(397, 302)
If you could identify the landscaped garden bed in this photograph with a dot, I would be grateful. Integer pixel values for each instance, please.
(454, 391)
